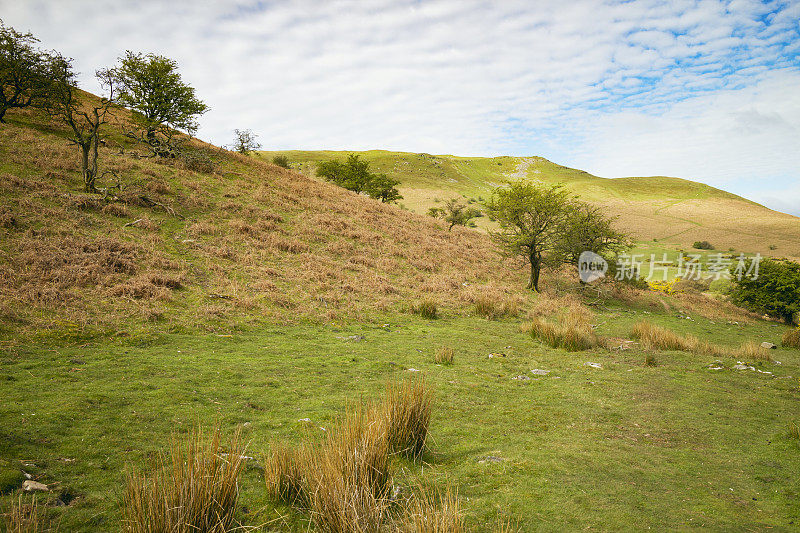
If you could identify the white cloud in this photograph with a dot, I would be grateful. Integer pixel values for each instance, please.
(700, 89)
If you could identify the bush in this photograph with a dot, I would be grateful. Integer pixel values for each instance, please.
(571, 337)
(791, 339)
(193, 489)
(490, 308)
(197, 161)
(776, 290)
(703, 245)
(426, 309)
(281, 161)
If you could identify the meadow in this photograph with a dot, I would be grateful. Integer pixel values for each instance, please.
(222, 290)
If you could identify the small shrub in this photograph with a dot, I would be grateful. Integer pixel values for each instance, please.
(194, 488)
(571, 337)
(444, 355)
(791, 338)
(407, 408)
(776, 290)
(491, 308)
(773, 247)
(703, 245)
(281, 161)
(197, 161)
(426, 309)
(116, 210)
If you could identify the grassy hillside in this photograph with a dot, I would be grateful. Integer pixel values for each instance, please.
(671, 210)
(223, 289)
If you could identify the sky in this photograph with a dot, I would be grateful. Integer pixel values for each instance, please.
(703, 90)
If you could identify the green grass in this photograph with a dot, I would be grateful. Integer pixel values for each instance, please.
(581, 447)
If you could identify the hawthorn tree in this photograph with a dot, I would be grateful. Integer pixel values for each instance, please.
(81, 113)
(152, 87)
(455, 213)
(354, 175)
(25, 71)
(245, 141)
(586, 228)
(774, 291)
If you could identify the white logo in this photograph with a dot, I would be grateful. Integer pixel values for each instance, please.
(591, 267)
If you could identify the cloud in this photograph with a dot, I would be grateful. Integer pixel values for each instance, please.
(701, 89)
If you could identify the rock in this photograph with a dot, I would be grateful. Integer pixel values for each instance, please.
(413, 370)
(493, 355)
(354, 338)
(491, 459)
(539, 372)
(593, 365)
(30, 485)
(742, 366)
(521, 378)
(306, 420)
(768, 345)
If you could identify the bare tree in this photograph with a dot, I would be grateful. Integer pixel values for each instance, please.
(245, 141)
(82, 114)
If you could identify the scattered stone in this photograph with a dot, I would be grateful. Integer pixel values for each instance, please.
(716, 365)
(30, 485)
(539, 372)
(491, 459)
(496, 354)
(306, 420)
(768, 345)
(741, 366)
(593, 365)
(354, 338)
(413, 370)
(521, 378)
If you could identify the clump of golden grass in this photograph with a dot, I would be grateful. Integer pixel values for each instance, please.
(344, 482)
(491, 308)
(431, 511)
(194, 488)
(426, 309)
(24, 517)
(794, 430)
(654, 337)
(444, 355)
(407, 408)
(116, 210)
(571, 337)
(791, 338)
(753, 350)
(650, 360)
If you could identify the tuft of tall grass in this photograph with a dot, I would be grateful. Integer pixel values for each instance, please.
(794, 430)
(431, 511)
(570, 336)
(193, 488)
(791, 338)
(444, 355)
(286, 472)
(426, 309)
(753, 350)
(490, 307)
(407, 408)
(25, 517)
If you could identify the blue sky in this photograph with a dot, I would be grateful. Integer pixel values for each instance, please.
(708, 91)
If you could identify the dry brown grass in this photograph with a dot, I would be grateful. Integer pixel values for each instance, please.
(407, 408)
(444, 355)
(654, 337)
(794, 430)
(194, 488)
(791, 338)
(27, 517)
(426, 309)
(491, 308)
(568, 325)
(429, 510)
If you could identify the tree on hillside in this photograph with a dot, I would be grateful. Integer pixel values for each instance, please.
(25, 71)
(152, 87)
(354, 175)
(530, 218)
(586, 228)
(245, 141)
(774, 289)
(456, 213)
(82, 113)
(282, 161)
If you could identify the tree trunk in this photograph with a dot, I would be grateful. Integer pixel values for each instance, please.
(88, 173)
(536, 266)
(2, 115)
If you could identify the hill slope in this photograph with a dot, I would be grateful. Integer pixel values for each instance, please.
(673, 210)
(215, 239)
